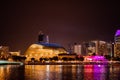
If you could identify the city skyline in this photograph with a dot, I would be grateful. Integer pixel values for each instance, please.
(65, 22)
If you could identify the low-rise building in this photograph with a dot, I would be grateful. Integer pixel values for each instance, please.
(44, 50)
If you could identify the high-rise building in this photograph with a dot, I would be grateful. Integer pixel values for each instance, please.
(101, 47)
(4, 52)
(117, 44)
(117, 37)
(43, 38)
(91, 48)
(97, 47)
(77, 49)
(110, 49)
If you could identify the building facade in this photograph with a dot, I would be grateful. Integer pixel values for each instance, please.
(4, 52)
(97, 47)
(77, 49)
(43, 49)
(117, 44)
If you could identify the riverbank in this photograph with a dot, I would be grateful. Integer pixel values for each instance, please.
(3, 62)
(71, 63)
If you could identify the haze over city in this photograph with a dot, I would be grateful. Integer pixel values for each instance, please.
(65, 22)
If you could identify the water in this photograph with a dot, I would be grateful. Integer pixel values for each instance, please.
(60, 72)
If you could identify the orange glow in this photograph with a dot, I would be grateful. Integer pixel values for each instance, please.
(37, 51)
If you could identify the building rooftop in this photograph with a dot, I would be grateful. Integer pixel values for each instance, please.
(50, 44)
(117, 32)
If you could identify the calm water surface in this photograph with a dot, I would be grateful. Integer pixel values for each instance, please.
(60, 72)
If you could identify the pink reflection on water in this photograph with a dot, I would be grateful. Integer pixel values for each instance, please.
(94, 72)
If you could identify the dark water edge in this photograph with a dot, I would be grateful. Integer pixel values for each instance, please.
(60, 72)
(74, 63)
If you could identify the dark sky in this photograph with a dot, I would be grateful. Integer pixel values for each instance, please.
(65, 22)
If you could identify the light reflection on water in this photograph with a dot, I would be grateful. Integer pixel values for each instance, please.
(60, 72)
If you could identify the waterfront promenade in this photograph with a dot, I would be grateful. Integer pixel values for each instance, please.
(71, 63)
(4, 62)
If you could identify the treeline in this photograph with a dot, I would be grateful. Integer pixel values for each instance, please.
(108, 57)
(56, 58)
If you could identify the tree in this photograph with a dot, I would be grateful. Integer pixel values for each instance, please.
(50, 59)
(41, 59)
(70, 59)
(116, 58)
(81, 58)
(32, 59)
(93, 54)
(65, 58)
(108, 57)
(15, 58)
(46, 59)
(55, 58)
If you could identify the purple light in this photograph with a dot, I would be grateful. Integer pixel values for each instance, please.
(117, 33)
(98, 72)
(95, 58)
(94, 72)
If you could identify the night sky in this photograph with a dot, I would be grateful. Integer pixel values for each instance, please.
(66, 22)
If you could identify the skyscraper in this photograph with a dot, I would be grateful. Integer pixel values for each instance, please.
(97, 47)
(77, 49)
(43, 38)
(117, 44)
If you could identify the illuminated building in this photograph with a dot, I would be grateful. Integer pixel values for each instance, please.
(60, 56)
(17, 53)
(98, 47)
(77, 49)
(89, 48)
(117, 44)
(110, 49)
(4, 52)
(43, 49)
(43, 38)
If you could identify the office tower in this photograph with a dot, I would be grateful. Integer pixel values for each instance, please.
(100, 47)
(77, 49)
(43, 38)
(117, 44)
(97, 47)
(110, 49)
(91, 48)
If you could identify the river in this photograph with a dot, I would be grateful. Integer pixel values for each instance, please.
(59, 72)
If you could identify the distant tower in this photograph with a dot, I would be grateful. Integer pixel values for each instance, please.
(43, 38)
(47, 38)
(117, 44)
